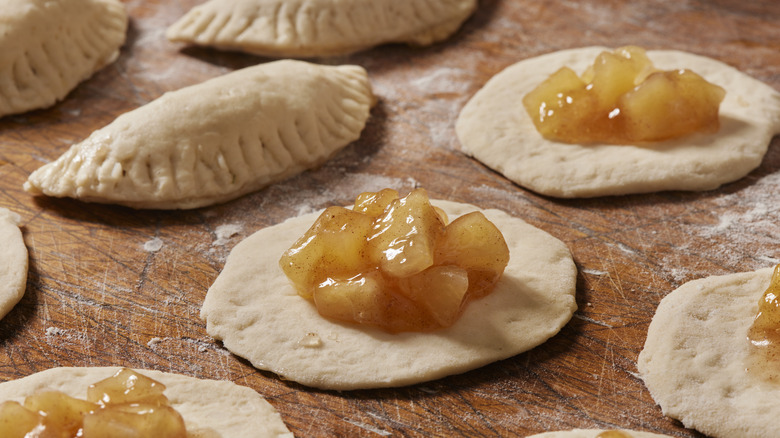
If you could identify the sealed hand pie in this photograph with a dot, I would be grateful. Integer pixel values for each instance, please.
(495, 128)
(257, 313)
(307, 28)
(208, 408)
(48, 47)
(215, 141)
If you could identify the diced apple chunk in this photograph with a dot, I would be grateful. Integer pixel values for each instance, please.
(475, 244)
(440, 290)
(16, 421)
(403, 239)
(333, 247)
(554, 94)
(374, 203)
(127, 386)
(616, 73)
(671, 104)
(366, 300)
(62, 411)
(135, 421)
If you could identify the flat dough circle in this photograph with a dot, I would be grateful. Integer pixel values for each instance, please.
(210, 408)
(696, 352)
(255, 311)
(13, 262)
(593, 433)
(495, 129)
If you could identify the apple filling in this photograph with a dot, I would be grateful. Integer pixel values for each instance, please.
(125, 405)
(623, 99)
(395, 263)
(764, 334)
(613, 434)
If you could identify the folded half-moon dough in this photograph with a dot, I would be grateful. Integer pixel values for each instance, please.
(307, 28)
(215, 141)
(49, 47)
(254, 310)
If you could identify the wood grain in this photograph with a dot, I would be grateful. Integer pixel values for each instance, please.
(97, 296)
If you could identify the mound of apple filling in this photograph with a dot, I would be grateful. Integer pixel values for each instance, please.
(623, 99)
(395, 263)
(125, 405)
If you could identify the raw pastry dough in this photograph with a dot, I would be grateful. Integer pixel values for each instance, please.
(13, 262)
(302, 28)
(696, 353)
(48, 47)
(257, 314)
(215, 141)
(593, 433)
(210, 408)
(495, 128)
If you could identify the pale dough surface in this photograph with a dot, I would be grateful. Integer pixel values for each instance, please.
(495, 129)
(695, 356)
(307, 28)
(255, 311)
(48, 47)
(217, 140)
(593, 433)
(210, 408)
(13, 262)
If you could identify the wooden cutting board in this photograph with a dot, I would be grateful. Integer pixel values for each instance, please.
(114, 286)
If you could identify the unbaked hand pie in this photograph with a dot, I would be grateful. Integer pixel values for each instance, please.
(495, 128)
(49, 47)
(255, 310)
(13, 262)
(309, 28)
(215, 141)
(110, 402)
(700, 365)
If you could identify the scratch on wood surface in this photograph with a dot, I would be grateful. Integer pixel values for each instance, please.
(617, 284)
(368, 427)
(594, 321)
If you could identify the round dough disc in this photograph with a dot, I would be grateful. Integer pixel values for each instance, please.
(494, 128)
(210, 408)
(695, 356)
(13, 262)
(593, 433)
(255, 311)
